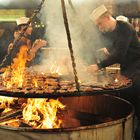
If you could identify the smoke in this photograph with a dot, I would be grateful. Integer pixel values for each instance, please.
(84, 35)
(5, 3)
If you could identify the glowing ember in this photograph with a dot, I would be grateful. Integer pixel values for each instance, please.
(41, 113)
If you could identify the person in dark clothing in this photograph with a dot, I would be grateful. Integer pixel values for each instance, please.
(24, 41)
(124, 49)
(5, 39)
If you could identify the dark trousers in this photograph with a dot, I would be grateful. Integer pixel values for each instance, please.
(133, 94)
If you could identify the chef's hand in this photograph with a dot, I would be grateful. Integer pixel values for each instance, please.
(10, 47)
(36, 45)
(40, 43)
(106, 52)
(92, 68)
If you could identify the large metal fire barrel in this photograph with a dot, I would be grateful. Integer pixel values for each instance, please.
(116, 121)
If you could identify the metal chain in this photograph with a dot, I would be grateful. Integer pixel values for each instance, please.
(23, 32)
(70, 45)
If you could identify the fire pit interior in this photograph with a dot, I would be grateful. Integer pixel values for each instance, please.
(75, 115)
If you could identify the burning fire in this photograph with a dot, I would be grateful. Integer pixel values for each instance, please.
(5, 102)
(17, 70)
(35, 83)
(116, 80)
(14, 75)
(38, 113)
(41, 113)
(55, 69)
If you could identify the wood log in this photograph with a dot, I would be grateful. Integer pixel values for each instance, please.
(10, 115)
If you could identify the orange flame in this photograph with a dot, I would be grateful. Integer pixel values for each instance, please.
(42, 112)
(55, 68)
(17, 69)
(116, 80)
(35, 82)
(38, 113)
(5, 102)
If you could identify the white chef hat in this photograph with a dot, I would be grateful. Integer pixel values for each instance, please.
(22, 20)
(98, 12)
(122, 18)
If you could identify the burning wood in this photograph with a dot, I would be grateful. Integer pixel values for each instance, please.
(44, 114)
(7, 102)
(12, 114)
(36, 113)
(41, 113)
